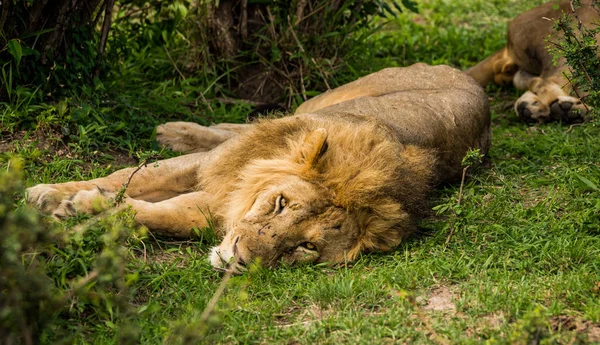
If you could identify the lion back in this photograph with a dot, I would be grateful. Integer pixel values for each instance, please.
(435, 107)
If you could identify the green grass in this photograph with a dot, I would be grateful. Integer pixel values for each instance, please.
(523, 264)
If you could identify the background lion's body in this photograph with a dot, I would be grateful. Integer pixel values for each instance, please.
(527, 63)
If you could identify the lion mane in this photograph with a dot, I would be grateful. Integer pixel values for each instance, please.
(384, 184)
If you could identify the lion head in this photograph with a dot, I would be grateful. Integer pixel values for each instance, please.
(320, 203)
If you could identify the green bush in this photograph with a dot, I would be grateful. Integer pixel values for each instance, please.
(49, 276)
(579, 46)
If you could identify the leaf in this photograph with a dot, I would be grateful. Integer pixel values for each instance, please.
(14, 48)
(411, 5)
(397, 6)
(588, 183)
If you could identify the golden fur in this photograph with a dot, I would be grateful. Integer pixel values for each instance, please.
(527, 64)
(337, 179)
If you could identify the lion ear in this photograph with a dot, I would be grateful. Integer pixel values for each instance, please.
(312, 148)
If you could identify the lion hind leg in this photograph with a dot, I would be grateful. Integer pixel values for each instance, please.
(499, 68)
(505, 69)
(191, 137)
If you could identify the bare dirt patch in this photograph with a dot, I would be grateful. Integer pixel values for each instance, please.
(440, 299)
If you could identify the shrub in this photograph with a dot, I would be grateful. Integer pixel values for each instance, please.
(579, 47)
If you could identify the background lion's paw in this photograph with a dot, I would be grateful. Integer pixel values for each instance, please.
(568, 109)
(530, 108)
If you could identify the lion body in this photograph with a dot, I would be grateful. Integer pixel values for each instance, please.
(526, 63)
(348, 173)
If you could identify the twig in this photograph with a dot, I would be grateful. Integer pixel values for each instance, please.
(144, 245)
(173, 62)
(572, 126)
(300, 11)
(215, 298)
(462, 183)
(154, 238)
(132, 12)
(121, 193)
(302, 88)
(460, 193)
(579, 24)
(105, 27)
(423, 319)
(587, 76)
(312, 59)
(244, 19)
(575, 89)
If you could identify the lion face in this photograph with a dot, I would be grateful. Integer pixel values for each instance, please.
(292, 221)
(279, 212)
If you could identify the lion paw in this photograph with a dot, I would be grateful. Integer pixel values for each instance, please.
(51, 200)
(178, 136)
(191, 137)
(530, 108)
(45, 197)
(568, 109)
(84, 202)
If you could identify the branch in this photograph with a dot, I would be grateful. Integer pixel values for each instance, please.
(300, 11)
(106, 25)
(215, 298)
(244, 19)
(5, 10)
(311, 58)
(173, 62)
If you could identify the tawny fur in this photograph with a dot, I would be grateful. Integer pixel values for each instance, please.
(349, 176)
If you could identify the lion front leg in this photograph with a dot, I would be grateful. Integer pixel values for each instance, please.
(175, 217)
(153, 182)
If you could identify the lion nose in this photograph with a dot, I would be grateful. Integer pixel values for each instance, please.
(239, 261)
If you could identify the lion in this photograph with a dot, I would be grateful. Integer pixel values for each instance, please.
(348, 173)
(527, 64)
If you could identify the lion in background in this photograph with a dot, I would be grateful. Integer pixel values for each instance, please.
(526, 63)
(348, 173)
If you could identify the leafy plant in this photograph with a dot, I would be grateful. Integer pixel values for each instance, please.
(579, 47)
(51, 45)
(49, 276)
(280, 51)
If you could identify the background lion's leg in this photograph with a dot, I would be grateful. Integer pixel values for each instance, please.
(499, 68)
(191, 137)
(153, 182)
(553, 94)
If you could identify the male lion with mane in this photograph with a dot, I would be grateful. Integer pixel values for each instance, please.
(526, 63)
(348, 173)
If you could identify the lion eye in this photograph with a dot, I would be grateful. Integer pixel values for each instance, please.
(308, 246)
(280, 203)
